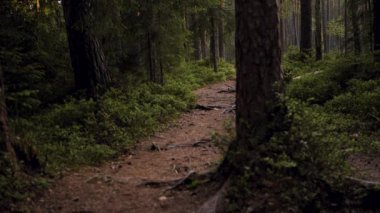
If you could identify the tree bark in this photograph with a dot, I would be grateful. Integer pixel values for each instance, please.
(203, 38)
(196, 37)
(306, 27)
(318, 31)
(258, 63)
(355, 26)
(222, 52)
(214, 52)
(87, 57)
(6, 135)
(376, 29)
(324, 27)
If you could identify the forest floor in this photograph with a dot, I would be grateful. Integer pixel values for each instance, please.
(123, 185)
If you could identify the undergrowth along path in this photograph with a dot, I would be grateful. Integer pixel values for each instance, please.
(122, 185)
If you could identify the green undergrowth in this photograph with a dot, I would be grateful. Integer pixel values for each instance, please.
(87, 132)
(347, 88)
(332, 111)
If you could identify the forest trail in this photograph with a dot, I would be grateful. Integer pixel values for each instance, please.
(184, 147)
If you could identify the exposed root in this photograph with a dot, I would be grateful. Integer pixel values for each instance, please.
(196, 144)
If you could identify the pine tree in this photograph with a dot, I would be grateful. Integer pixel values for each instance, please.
(306, 21)
(87, 57)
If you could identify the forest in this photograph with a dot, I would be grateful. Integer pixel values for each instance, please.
(201, 106)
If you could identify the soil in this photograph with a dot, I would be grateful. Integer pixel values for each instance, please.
(140, 181)
(183, 148)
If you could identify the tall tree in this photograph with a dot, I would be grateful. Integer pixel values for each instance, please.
(306, 29)
(355, 26)
(258, 65)
(222, 51)
(87, 57)
(6, 135)
(318, 30)
(214, 40)
(376, 29)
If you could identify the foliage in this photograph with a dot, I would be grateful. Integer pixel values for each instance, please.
(332, 113)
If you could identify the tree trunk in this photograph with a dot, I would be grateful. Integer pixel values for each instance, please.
(306, 27)
(345, 27)
(355, 26)
(258, 65)
(214, 52)
(318, 31)
(324, 27)
(196, 38)
(151, 58)
(222, 53)
(87, 57)
(203, 38)
(6, 135)
(376, 29)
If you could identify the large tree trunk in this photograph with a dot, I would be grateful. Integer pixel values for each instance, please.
(376, 29)
(258, 65)
(318, 31)
(214, 46)
(87, 56)
(306, 27)
(6, 135)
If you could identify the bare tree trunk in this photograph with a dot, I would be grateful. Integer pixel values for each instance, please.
(87, 57)
(222, 52)
(203, 38)
(376, 29)
(324, 27)
(355, 26)
(258, 65)
(151, 58)
(214, 52)
(196, 37)
(306, 20)
(318, 33)
(6, 135)
(345, 26)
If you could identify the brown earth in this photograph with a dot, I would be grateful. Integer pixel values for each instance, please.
(120, 186)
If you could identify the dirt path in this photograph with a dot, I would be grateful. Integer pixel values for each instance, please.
(118, 186)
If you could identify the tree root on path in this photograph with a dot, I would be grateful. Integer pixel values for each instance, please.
(156, 147)
(229, 90)
(196, 144)
(190, 178)
(208, 107)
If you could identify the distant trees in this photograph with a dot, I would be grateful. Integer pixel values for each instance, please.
(344, 25)
(87, 57)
